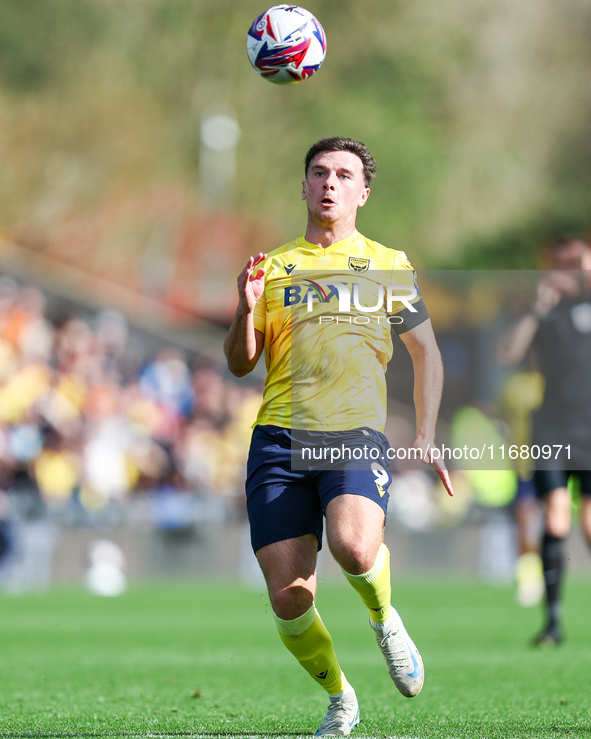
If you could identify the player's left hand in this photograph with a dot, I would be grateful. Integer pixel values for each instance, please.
(435, 462)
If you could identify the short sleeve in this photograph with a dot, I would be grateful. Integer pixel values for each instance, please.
(409, 319)
(405, 276)
(260, 314)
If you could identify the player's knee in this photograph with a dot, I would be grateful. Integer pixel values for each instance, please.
(558, 528)
(586, 519)
(558, 514)
(291, 602)
(355, 557)
(558, 524)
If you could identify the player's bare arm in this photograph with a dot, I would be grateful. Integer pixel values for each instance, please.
(428, 386)
(244, 344)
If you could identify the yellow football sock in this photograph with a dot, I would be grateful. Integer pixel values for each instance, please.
(308, 640)
(374, 586)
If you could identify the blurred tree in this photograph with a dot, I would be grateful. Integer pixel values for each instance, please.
(477, 113)
(34, 36)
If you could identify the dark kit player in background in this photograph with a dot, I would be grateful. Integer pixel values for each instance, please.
(557, 330)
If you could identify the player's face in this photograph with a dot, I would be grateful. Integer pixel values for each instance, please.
(574, 255)
(334, 186)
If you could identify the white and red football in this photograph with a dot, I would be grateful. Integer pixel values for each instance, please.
(286, 44)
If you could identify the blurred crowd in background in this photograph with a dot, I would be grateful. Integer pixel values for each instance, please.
(100, 424)
(86, 423)
(114, 187)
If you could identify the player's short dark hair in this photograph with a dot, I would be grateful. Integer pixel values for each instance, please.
(565, 239)
(339, 143)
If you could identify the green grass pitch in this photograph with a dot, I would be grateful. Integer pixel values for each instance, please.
(203, 659)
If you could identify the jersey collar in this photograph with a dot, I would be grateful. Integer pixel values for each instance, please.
(342, 245)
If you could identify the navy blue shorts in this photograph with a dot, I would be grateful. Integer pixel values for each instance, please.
(284, 502)
(526, 489)
(548, 480)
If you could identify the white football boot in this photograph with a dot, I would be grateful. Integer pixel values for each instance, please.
(402, 657)
(342, 715)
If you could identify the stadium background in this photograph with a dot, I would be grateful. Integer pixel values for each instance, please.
(142, 161)
(137, 175)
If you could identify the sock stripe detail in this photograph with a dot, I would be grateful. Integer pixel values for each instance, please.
(296, 626)
(373, 574)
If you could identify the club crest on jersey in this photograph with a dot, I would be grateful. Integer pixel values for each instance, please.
(358, 264)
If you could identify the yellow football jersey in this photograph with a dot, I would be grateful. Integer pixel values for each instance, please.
(327, 314)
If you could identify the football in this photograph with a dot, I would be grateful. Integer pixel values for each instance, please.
(286, 44)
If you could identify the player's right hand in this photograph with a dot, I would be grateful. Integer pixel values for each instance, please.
(551, 290)
(251, 283)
